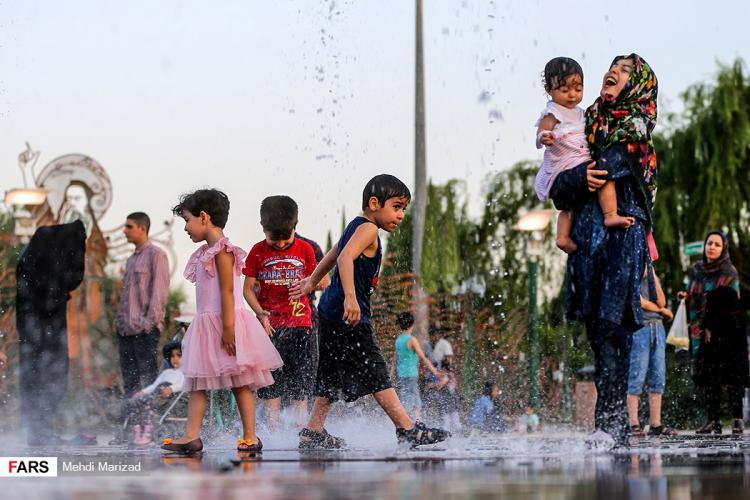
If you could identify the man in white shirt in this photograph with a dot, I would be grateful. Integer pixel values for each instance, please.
(441, 349)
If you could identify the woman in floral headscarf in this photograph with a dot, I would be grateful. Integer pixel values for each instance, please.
(604, 275)
(718, 339)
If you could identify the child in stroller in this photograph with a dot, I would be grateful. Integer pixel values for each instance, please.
(158, 405)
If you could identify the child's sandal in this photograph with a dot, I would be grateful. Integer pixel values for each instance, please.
(421, 434)
(311, 440)
(194, 446)
(247, 446)
(637, 431)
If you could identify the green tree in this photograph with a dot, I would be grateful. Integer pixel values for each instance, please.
(704, 172)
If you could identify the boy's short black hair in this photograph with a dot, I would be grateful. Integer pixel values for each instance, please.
(384, 187)
(278, 216)
(558, 69)
(405, 320)
(141, 219)
(212, 201)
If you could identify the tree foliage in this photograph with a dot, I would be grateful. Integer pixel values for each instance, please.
(704, 173)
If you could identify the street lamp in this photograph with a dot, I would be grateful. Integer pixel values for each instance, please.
(535, 223)
(27, 198)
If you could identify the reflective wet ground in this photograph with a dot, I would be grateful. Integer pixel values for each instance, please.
(545, 466)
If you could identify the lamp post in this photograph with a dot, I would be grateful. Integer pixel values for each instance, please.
(534, 223)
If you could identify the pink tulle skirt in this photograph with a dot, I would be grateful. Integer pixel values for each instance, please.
(208, 366)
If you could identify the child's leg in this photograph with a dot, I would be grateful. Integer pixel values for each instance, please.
(388, 400)
(633, 409)
(564, 227)
(300, 410)
(273, 410)
(608, 203)
(321, 407)
(246, 406)
(196, 410)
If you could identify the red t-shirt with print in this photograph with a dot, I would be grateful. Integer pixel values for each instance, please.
(276, 271)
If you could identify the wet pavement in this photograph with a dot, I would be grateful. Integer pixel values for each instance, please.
(544, 466)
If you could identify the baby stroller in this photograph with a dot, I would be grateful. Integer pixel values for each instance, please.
(147, 412)
(172, 419)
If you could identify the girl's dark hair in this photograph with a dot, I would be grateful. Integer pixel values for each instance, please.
(383, 187)
(557, 70)
(212, 201)
(166, 351)
(405, 320)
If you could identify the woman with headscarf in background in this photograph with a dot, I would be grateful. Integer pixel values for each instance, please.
(718, 337)
(49, 269)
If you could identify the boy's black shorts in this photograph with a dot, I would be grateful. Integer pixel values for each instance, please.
(294, 380)
(350, 363)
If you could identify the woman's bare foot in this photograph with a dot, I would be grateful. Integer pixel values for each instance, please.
(566, 244)
(616, 220)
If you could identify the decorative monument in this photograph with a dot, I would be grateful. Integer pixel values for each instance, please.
(76, 187)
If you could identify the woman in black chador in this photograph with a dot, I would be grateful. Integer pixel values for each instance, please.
(49, 269)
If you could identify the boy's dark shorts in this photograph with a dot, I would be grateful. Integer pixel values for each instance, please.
(294, 380)
(565, 190)
(350, 364)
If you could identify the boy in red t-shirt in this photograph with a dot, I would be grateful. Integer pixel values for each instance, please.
(272, 266)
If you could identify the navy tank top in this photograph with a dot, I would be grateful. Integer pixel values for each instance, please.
(366, 269)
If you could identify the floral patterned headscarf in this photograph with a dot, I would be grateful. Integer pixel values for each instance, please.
(629, 119)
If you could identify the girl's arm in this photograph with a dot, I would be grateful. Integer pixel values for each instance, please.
(393, 365)
(150, 388)
(225, 271)
(307, 285)
(363, 238)
(544, 135)
(248, 291)
(414, 344)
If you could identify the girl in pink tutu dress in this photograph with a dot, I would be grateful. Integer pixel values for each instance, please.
(225, 346)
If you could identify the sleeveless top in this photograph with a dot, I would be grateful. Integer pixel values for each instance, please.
(649, 316)
(407, 360)
(366, 269)
(569, 150)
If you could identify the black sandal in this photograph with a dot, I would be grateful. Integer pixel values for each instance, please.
(194, 446)
(311, 440)
(421, 434)
(247, 445)
(661, 430)
(709, 427)
(738, 427)
(637, 431)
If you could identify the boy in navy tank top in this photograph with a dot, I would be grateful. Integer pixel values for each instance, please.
(351, 364)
